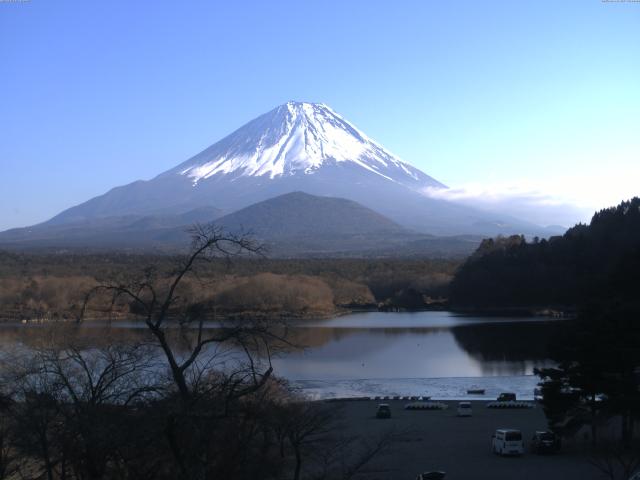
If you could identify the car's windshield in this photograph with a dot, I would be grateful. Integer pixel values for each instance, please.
(546, 436)
(513, 436)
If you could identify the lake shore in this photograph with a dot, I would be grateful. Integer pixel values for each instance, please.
(340, 311)
(442, 388)
(521, 311)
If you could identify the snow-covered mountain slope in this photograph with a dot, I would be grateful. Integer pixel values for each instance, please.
(298, 139)
(296, 147)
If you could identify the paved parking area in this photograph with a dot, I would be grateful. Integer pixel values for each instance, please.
(439, 440)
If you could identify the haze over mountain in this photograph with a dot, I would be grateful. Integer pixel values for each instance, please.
(126, 231)
(296, 147)
(291, 225)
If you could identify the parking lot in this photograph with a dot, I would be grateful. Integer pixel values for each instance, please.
(461, 446)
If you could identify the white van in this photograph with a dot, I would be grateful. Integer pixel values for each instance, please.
(464, 409)
(507, 441)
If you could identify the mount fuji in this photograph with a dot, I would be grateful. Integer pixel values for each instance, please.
(296, 147)
(299, 139)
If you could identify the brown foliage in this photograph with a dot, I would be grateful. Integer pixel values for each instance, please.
(52, 286)
(268, 292)
(44, 295)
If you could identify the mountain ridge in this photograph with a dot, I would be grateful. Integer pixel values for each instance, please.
(302, 147)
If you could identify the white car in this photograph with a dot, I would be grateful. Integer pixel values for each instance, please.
(507, 441)
(464, 409)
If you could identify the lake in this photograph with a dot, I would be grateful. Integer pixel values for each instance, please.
(440, 354)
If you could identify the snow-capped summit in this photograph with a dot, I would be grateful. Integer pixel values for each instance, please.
(298, 138)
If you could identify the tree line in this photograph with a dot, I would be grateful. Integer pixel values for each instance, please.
(51, 286)
(595, 261)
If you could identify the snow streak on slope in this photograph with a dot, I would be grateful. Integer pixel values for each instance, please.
(298, 138)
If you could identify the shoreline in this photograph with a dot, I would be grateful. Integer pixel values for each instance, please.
(555, 311)
(437, 388)
(524, 312)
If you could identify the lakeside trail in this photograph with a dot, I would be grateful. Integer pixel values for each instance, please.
(460, 446)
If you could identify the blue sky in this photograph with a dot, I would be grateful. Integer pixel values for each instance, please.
(497, 99)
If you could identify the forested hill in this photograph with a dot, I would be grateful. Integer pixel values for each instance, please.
(599, 261)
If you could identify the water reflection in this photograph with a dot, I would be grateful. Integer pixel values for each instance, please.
(364, 346)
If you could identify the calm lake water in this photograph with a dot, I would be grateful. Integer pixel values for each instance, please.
(377, 353)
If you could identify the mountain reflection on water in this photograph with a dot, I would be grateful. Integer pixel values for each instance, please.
(362, 346)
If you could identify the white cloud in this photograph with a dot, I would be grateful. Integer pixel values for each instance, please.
(553, 201)
(567, 187)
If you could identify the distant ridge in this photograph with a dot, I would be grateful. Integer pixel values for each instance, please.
(295, 224)
(298, 213)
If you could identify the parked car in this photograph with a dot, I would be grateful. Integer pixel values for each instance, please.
(384, 411)
(431, 476)
(545, 442)
(507, 397)
(475, 391)
(464, 409)
(507, 441)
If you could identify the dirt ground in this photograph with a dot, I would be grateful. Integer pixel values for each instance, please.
(439, 440)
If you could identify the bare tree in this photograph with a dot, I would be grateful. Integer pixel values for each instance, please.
(155, 303)
(211, 369)
(348, 457)
(69, 405)
(8, 457)
(615, 461)
(312, 433)
(303, 426)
